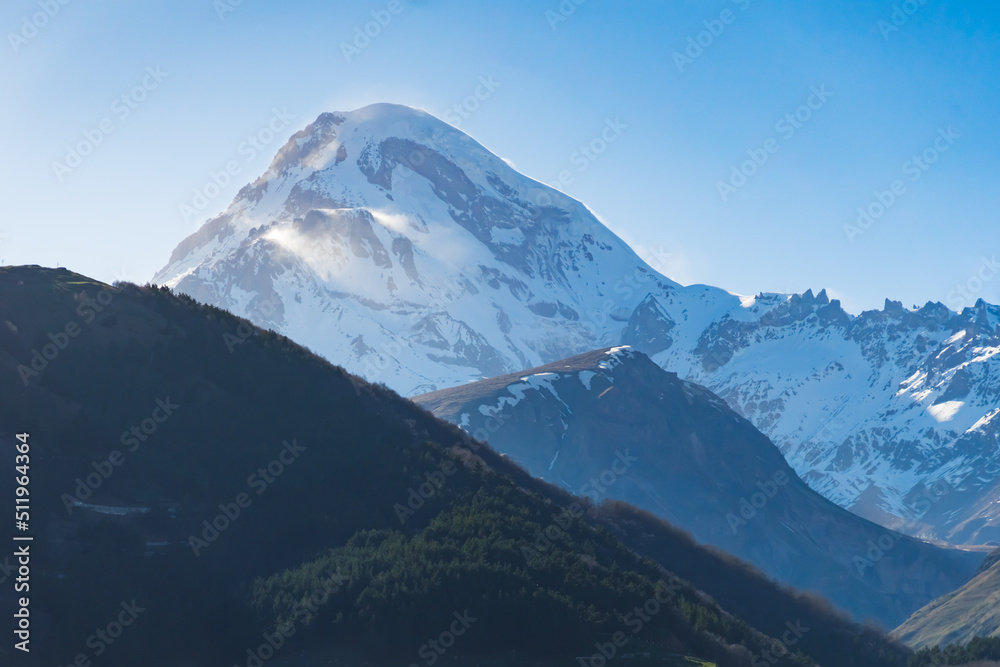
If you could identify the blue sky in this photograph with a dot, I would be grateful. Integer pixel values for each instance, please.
(199, 77)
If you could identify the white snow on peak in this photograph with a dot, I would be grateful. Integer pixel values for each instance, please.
(398, 247)
(616, 355)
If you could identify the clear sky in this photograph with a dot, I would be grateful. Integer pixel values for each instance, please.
(881, 94)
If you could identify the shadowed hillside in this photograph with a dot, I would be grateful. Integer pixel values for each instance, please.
(218, 480)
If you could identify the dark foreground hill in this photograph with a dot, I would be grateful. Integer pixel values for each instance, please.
(205, 493)
(611, 423)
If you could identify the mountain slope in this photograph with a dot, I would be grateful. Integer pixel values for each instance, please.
(955, 618)
(611, 423)
(392, 242)
(204, 491)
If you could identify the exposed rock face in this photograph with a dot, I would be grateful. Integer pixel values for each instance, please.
(648, 329)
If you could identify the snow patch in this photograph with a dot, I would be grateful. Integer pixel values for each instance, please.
(945, 412)
(541, 382)
(982, 423)
(956, 338)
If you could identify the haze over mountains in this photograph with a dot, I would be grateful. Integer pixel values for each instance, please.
(391, 242)
(612, 424)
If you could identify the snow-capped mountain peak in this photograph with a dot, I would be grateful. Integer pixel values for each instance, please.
(399, 247)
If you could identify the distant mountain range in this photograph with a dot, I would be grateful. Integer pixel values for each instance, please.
(236, 498)
(612, 424)
(394, 244)
(892, 414)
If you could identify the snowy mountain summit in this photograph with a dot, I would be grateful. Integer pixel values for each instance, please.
(399, 248)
